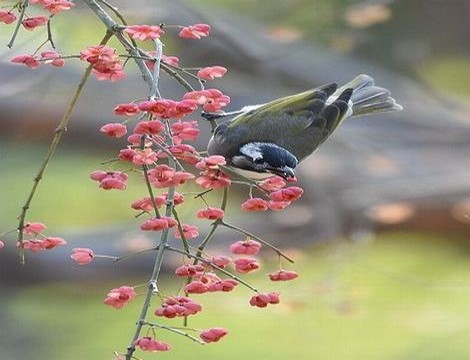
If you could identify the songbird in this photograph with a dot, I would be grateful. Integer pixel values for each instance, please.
(273, 138)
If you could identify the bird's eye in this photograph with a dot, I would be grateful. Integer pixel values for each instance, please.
(259, 160)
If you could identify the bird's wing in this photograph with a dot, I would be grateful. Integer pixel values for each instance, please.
(298, 123)
(312, 101)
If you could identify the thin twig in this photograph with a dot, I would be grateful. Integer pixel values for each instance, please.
(116, 11)
(177, 77)
(49, 32)
(252, 182)
(165, 150)
(155, 91)
(135, 253)
(214, 226)
(8, 232)
(24, 5)
(144, 58)
(218, 268)
(150, 190)
(257, 238)
(179, 332)
(185, 71)
(201, 194)
(208, 238)
(169, 70)
(57, 57)
(180, 228)
(147, 180)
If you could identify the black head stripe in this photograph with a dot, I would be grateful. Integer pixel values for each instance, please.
(276, 156)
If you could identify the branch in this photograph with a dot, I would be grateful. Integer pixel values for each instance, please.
(59, 132)
(147, 180)
(218, 268)
(153, 88)
(152, 286)
(116, 11)
(115, 28)
(166, 151)
(154, 91)
(208, 238)
(150, 190)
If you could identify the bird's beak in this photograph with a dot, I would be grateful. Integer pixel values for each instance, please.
(286, 172)
(289, 172)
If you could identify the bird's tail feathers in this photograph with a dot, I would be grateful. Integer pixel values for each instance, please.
(367, 98)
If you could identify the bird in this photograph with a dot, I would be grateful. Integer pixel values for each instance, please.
(272, 138)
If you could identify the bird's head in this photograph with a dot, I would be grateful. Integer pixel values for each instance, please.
(265, 158)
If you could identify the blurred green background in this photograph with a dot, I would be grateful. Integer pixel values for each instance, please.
(398, 289)
(403, 297)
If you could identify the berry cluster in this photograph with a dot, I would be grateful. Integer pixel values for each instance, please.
(157, 152)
